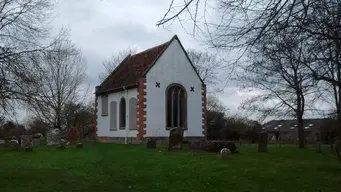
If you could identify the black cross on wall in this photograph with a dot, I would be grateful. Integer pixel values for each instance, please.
(157, 84)
(192, 89)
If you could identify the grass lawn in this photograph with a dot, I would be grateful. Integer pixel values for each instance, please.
(109, 167)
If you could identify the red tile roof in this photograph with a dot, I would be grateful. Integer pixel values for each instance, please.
(130, 69)
(133, 67)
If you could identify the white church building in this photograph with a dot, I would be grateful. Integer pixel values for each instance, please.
(148, 94)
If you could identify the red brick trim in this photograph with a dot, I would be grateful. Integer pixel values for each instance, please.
(141, 108)
(204, 111)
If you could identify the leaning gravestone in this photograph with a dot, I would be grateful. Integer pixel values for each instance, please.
(263, 142)
(175, 138)
(53, 137)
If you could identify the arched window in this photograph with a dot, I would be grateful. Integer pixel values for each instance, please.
(176, 106)
(122, 113)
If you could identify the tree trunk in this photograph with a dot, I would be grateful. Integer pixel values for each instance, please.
(300, 131)
(338, 137)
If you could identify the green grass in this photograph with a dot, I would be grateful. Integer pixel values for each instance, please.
(109, 167)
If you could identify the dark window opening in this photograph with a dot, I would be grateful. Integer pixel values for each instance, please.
(176, 107)
(122, 113)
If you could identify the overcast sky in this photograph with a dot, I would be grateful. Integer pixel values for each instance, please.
(102, 27)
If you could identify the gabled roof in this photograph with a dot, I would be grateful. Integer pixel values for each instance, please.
(290, 125)
(133, 67)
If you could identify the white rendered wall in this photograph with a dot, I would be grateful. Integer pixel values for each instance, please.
(173, 67)
(103, 122)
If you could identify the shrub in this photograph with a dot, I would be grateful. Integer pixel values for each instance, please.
(213, 145)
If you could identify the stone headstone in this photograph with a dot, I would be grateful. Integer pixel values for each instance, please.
(175, 138)
(225, 153)
(318, 143)
(36, 140)
(2, 142)
(73, 135)
(26, 141)
(151, 143)
(53, 137)
(263, 142)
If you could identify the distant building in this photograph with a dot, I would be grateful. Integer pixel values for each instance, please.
(287, 130)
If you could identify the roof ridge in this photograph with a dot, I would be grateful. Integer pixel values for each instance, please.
(149, 49)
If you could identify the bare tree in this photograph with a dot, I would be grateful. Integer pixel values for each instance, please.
(207, 66)
(243, 24)
(284, 82)
(62, 74)
(214, 104)
(116, 58)
(23, 24)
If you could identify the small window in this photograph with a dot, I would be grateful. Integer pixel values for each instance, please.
(132, 113)
(122, 113)
(105, 105)
(113, 115)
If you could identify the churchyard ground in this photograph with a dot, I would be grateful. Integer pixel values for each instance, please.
(108, 167)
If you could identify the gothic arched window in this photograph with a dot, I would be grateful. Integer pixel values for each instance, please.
(176, 106)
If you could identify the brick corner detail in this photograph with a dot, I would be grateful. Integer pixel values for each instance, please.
(141, 108)
(204, 111)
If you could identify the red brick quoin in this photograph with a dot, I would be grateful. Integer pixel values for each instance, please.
(204, 113)
(141, 108)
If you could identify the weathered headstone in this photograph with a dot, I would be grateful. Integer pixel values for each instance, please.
(2, 142)
(175, 138)
(36, 140)
(225, 153)
(151, 143)
(26, 141)
(53, 137)
(263, 142)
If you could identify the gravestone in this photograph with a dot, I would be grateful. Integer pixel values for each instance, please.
(73, 135)
(26, 141)
(175, 138)
(263, 142)
(318, 143)
(53, 137)
(225, 153)
(2, 142)
(151, 143)
(36, 140)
